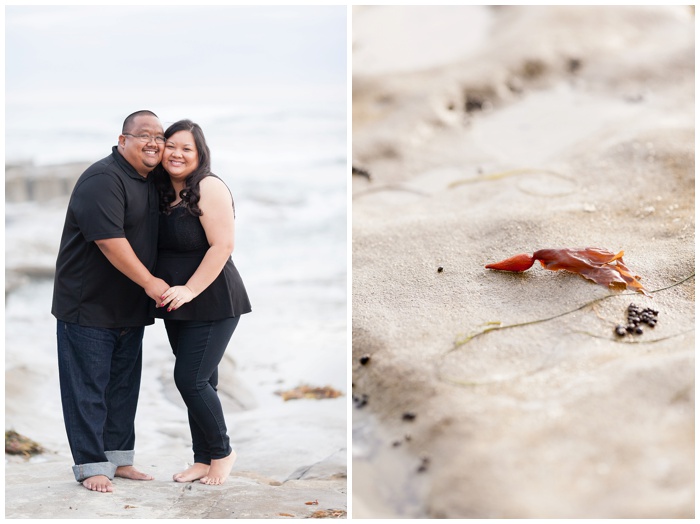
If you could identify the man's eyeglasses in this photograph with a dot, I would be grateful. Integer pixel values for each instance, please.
(147, 138)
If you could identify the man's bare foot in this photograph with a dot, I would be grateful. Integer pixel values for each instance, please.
(98, 483)
(219, 470)
(130, 472)
(195, 472)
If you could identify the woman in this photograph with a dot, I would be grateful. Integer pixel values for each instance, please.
(207, 297)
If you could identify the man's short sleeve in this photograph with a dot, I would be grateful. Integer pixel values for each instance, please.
(98, 205)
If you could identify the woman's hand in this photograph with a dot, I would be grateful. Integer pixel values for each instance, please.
(176, 296)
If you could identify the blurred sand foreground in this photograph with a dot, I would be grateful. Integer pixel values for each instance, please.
(531, 128)
(289, 453)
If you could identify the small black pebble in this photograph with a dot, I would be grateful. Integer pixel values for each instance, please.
(423, 465)
(364, 359)
(361, 172)
(473, 103)
(574, 65)
(396, 443)
(620, 331)
(440, 269)
(637, 316)
(409, 416)
(360, 402)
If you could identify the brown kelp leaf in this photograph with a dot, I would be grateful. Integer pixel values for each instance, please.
(329, 514)
(16, 444)
(599, 265)
(305, 391)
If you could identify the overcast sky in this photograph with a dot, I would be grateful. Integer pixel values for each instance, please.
(96, 47)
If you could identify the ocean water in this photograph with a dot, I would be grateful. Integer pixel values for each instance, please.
(283, 154)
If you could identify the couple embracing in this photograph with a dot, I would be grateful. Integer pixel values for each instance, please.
(148, 234)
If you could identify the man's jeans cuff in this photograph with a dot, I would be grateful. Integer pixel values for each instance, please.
(120, 458)
(83, 471)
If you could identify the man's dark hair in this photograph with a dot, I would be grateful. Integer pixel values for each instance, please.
(129, 119)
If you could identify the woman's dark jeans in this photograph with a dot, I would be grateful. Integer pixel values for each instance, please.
(198, 348)
(100, 374)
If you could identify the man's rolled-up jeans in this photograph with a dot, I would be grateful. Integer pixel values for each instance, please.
(100, 375)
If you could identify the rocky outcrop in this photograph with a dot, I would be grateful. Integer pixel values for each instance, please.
(26, 182)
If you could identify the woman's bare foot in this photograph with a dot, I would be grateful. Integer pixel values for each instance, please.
(130, 472)
(195, 472)
(219, 470)
(98, 483)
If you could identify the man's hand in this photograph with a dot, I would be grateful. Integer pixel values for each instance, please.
(155, 289)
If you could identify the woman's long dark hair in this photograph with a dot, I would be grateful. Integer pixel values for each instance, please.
(190, 193)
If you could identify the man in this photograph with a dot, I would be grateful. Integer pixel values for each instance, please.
(108, 250)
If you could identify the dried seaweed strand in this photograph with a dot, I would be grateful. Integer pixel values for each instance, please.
(503, 174)
(496, 326)
(482, 178)
(472, 383)
(387, 187)
(620, 341)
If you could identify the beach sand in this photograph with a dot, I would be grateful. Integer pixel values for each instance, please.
(550, 127)
(290, 453)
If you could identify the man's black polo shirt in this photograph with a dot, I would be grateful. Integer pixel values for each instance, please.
(110, 200)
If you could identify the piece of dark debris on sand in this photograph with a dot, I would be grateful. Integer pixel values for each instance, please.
(16, 444)
(360, 400)
(361, 172)
(329, 514)
(305, 391)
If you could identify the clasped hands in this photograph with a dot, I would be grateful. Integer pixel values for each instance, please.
(175, 296)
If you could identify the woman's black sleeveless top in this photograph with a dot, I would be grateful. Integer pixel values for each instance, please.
(182, 244)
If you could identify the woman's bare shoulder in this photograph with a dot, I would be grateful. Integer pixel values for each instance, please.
(212, 183)
(212, 188)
